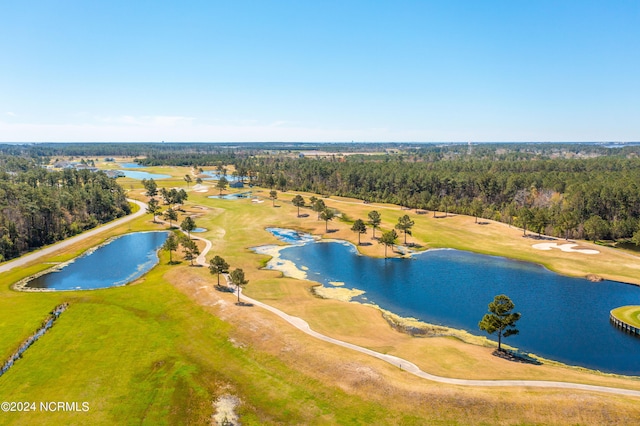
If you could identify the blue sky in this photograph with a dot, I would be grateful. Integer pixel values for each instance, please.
(319, 70)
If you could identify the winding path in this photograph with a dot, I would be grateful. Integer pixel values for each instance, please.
(410, 367)
(302, 325)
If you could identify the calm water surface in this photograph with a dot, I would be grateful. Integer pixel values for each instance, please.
(564, 319)
(135, 174)
(119, 262)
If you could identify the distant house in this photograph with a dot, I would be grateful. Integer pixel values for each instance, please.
(236, 184)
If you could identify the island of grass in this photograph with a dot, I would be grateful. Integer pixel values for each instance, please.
(627, 318)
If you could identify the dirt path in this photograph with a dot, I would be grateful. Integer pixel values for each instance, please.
(28, 258)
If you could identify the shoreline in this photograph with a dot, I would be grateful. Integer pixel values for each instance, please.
(407, 325)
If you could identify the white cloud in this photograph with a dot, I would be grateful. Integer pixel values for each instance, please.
(11, 114)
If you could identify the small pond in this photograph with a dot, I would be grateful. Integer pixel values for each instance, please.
(213, 175)
(564, 319)
(198, 230)
(135, 174)
(115, 263)
(132, 166)
(234, 196)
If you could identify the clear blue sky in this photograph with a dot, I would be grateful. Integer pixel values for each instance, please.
(319, 70)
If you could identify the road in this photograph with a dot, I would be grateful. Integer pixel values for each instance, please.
(28, 258)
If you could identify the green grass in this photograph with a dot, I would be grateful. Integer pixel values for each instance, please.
(628, 314)
(149, 354)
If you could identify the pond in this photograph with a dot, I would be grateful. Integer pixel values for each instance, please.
(132, 165)
(116, 263)
(213, 175)
(234, 196)
(563, 319)
(135, 174)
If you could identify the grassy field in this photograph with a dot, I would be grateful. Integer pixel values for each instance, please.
(628, 314)
(163, 350)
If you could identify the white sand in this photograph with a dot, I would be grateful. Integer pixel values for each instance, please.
(287, 267)
(569, 248)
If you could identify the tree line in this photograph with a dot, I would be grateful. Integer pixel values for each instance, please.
(39, 207)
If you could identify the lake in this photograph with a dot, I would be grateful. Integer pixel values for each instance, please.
(120, 261)
(563, 319)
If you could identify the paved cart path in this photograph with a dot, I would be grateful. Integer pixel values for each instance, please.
(303, 326)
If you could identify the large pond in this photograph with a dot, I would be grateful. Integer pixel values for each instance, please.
(564, 319)
(115, 263)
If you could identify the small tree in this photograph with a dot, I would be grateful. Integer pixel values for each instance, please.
(237, 278)
(596, 227)
(170, 215)
(359, 227)
(171, 245)
(153, 208)
(188, 225)
(298, 201)
(327, 214)
(405, 224)
(374, 221)
(187, 179)
(476, 208)
(151, 186)
(273, 194)
(218, 266)
(190, 248)
(222, 184)
(501, 319)
(388, 239)
(319, 207)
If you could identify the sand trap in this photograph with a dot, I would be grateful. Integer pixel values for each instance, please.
(569, 248)
(255, 200)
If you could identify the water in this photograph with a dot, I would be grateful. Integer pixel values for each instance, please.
(198, 230)
(132, 165)
(234, 196)
(117, 263)
(564, 319)
(134, 174)
(213, 175)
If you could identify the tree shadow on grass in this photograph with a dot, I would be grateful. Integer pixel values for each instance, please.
(244, 304)
(516, 356)
(303, 215)
(365, 244)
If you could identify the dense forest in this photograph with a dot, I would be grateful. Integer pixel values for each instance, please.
(561, 189)
(39, 206)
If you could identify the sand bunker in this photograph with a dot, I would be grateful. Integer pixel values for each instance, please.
(570, 248)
